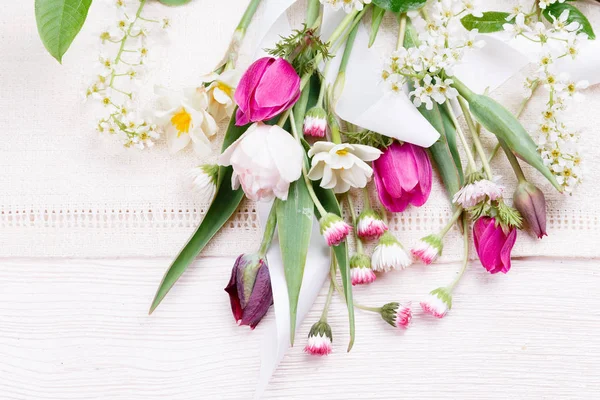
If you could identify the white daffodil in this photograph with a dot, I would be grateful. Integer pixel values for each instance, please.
(342, 166)
(221, 93)
(186, 119)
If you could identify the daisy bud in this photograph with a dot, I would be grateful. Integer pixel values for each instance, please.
(438, 302)
(334, 229)
(428, 249)
(360, 270)
(531, 203)
(204, 180)
(249, 289)
(397, 315)
(370, 225)
(315, 122)
(389, 254)
(319, 339)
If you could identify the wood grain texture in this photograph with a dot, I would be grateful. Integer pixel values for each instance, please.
(79, 329)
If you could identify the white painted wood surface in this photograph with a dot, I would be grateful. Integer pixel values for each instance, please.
(79, 329)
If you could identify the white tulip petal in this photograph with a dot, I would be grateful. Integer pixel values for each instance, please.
(286, 153)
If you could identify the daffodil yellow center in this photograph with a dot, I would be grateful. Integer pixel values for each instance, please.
(341, 152)
(225, 88)
(182, 121)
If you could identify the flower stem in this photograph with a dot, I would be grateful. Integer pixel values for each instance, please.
(247, 17)
(401, 32)
(327, 303)
(313, 9)
(124, 40)
(359, 245)
(269, 231)
(452, 221)
(343, 296)
(463, 139)
(367, 198)
(311, 190)
(514, 163)
(478, 146)
(348, 49)
(466, 255)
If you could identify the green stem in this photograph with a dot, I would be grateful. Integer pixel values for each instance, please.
(401, 32)
(452, 221)
(343, 296)
(312, 12)
(359, 245)
(462, 89)
(514, 163)
(367, 198)
(124, 40)
(269, 231)
(348, 49)
(311, 190)
(478, 146)
(247, 17)
(463, 139)
(466, 255)
(327, 303)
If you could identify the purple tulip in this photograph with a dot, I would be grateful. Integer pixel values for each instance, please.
(493, 245)
(403, 176)
(250, 290)
(269, 87)
(531, 203)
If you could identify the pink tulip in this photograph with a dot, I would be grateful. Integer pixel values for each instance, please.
(403, 176)
(269, 87)
(493, 245)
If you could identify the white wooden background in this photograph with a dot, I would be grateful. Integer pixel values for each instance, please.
(79, 329)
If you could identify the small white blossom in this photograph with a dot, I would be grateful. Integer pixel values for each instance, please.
(347, 5)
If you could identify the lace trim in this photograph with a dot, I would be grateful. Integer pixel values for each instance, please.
(246, 217)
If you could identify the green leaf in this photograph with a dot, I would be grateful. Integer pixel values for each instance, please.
(442, 151)
(59, 22)
(378, 14)
(555, 9)
(499, 121)
(225, 203)
(330, 203)
(294, 223)
(492, 21)
(174, 2)
(400, 6)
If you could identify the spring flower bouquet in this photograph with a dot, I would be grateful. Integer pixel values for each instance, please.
(317, 116)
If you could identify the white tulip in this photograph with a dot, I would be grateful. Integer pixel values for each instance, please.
(265, 160)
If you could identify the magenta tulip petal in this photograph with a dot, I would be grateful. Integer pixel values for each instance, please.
(403, 176)
(249, 81)
(278, 85)
(241, 119)
(493, 245)
(506, 250)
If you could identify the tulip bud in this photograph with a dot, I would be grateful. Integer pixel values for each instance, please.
(370, 225)
(531, 203)
(397, 315)
(319, 339)
(428, 249)
(315, 122)
(438, 302)
(204, 181)
(389, 254)
(250, 290)
(334, 229)
(360, 270)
